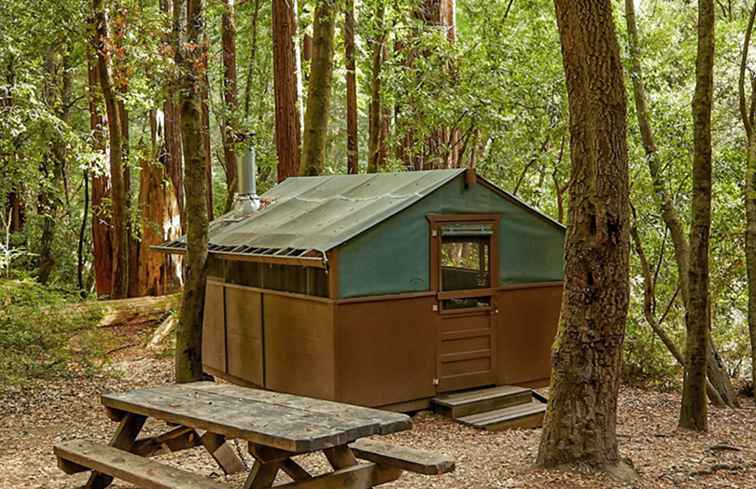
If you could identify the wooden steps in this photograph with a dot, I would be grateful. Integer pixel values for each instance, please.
(495, 408)
(140, 471)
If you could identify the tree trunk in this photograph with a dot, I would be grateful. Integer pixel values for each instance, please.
(174, 158)
(693, 411)
(102, 247)
(158, 273)
(119, 212)
(252, 63)
(649, 312)
(376, 119)
(748, 115)
(193, 76)
(351, 89)
(319, 90)
(230, 109)
(207, 150)
(285, 80)
(718, 376)
(580, 424)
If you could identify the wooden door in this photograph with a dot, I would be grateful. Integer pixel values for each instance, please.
(464, 273)
(466, 356)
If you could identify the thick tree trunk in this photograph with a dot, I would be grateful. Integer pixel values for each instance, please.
(230, 126)
(351, 89)
(580, 424)
(718, 376)
(319, 90)
(102, 244)
(693, 411)
(174, 158)
(376, 119)
(158, 273)
(285, 80)
(193, 76)
(119, 212)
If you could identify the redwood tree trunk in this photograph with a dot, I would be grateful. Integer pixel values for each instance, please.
(172, 151)
(158, 273)
(580, 424)
(693, 411)
(351, 89)
(288, 129)
(102, 245)
(119, 211)
(193, 76)
(230, 112)
(319, 90)
(376, 112)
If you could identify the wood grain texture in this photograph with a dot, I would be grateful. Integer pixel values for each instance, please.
(140, 471)
(276, 420)
(409, 459)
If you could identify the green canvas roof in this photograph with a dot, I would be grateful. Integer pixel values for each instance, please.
(316, 214)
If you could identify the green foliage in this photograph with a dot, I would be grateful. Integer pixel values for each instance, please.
(43, 333)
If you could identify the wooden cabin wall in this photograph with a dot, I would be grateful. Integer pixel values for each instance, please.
(385, 350)
(270, 339)
(299, 346)
(525, 329)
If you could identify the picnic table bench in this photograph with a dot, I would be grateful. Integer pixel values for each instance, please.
(276, 427)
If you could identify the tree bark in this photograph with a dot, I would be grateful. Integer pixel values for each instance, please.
(718, 376)
(748, 116)
(319, 90)
(351, 89)
(206, 149)
(693, 411)
(158, 273)
(102, 244)
(230, 109)
(252, 63)
(193, 76)
(174, 157)
(580, 424)
(119, 211)
(285, 79)
(376, 119)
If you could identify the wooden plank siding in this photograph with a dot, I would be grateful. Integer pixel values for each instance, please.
(377, 351)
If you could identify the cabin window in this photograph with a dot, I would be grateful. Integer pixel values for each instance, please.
(465, 256)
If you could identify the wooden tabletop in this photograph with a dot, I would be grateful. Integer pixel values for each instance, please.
(284, 421)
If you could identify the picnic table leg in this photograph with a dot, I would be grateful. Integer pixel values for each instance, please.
(340, 457)
(222, 452)
(123, 439)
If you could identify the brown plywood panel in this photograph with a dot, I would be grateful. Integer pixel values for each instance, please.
(244, 335)
(213, 328)
(299, 346)
(525, 328)
(386, 351)
(466, 356)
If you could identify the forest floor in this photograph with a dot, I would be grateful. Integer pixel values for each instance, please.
(34, 418)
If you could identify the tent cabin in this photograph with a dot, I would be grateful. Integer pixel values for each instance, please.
(384, 289)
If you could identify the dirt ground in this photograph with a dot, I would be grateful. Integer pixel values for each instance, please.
(32, 420)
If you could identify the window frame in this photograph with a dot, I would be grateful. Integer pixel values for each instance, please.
(436, 221)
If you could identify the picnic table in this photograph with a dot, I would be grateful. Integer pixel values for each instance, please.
(277, 427)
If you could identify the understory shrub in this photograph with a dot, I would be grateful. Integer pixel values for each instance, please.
(43, 333)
